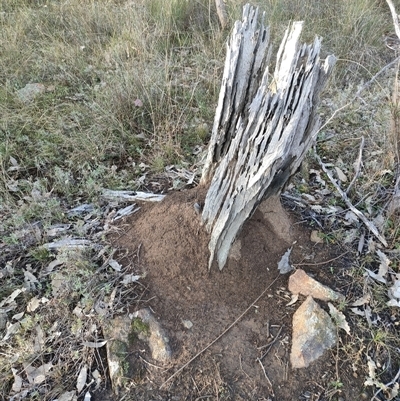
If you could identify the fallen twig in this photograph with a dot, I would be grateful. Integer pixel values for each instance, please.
(320, 263)
(266, 376)
(269, 345)
(222, 334)
(358, 165)
(358, 93)
(360, 215)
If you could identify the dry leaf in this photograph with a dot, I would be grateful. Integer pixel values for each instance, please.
(394, 292)
(376, 276)
(37, 375)
(12, 297)
(350, 218)
(362, 301)
(97, 377)
(284, 265)
(33, 304)
(18, 316)
(361, 243)
(351, 235)
(394, 392)
(385, 262)
(67, 396)
(30, 280)
(339, 318)
(11, 330)
(80, 383)
(53, 264)
(91, 344)
(39, 339)
(130, 278)
(294, 299)
(342, 176)
(16, 387)
(371, 380)
(115, 265)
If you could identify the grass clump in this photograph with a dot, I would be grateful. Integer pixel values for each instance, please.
(129, 88)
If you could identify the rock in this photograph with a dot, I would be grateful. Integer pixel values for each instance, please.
(122, 335)
(301, 283)
(236, 250)
(313, 333)
(187, 324)
(156, 338)
(30, 91)
(119, 337)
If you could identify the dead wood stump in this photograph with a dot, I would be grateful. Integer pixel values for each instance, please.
(263, 127)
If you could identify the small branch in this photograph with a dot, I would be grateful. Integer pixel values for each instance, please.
(222, 334)
(358, 165)
(360, 215)
(266, 376)
(269, 345)
(358, 93)
(320, 263)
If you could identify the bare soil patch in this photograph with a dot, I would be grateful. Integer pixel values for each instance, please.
(174, 255)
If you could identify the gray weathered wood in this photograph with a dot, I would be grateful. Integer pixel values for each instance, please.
(263, 127)
(221, 12)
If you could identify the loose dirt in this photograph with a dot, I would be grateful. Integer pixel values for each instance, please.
(239, 366)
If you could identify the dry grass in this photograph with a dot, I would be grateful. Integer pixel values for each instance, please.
(131, 87)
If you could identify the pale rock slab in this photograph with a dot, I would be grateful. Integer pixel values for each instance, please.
(313, 333)
(301, 283)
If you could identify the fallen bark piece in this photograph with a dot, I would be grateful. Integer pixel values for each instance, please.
(301, 283)
(313, 333)
(131, 196)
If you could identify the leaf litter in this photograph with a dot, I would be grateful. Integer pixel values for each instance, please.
(82, 272)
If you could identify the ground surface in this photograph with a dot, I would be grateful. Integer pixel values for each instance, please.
(174, 255)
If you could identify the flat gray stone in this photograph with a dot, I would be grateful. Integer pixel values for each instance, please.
(313, 333)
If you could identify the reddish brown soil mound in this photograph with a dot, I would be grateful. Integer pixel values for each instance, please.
(174, 254)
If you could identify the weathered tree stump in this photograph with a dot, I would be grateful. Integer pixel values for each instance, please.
(263, 125)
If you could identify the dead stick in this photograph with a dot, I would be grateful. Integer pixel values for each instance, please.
(358, 165)
(221, 335)
(266, 376)
(365, 86)
(360, 215)
(269, 345)
(320, 263)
